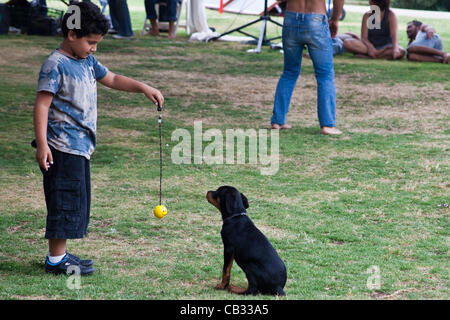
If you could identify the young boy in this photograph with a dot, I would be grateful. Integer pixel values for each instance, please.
(65, 123)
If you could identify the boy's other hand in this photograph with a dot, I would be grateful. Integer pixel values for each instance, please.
(44, 157)
(155, 95)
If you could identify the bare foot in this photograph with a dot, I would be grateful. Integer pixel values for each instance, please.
(171, 29)
(154, 32)
(331, 131)
(446, 59)
(276, 126)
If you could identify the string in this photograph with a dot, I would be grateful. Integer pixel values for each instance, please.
(160, 158)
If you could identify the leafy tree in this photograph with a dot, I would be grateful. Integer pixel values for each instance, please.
(443, 5)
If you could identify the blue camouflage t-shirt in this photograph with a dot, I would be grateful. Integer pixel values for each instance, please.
(72, 118)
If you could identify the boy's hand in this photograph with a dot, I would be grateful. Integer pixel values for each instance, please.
(44, 157)
(154, 95)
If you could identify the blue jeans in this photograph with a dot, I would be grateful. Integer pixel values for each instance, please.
(171, 9)
(120, 17)
(300, 29)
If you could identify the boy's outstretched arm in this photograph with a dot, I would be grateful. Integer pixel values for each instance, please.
(43, 154)
(118, 82)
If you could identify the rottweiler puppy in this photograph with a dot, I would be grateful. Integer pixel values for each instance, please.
(247, 245)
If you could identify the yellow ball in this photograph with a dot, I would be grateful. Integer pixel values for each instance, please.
(160, 211)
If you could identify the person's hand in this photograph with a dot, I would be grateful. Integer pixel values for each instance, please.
(154, 95)
(372, 53)
(396, 53)
(334, 26)
(44, 157)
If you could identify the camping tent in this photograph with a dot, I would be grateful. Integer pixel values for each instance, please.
(253, 7)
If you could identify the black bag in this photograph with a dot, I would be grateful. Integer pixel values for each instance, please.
(19, 14)
(44, 21)
(4, 19)
(43, 26)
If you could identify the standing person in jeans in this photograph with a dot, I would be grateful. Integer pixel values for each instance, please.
(306, 23)
(153, 16)
(120, 19)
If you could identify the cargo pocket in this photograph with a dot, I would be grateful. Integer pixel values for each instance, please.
(53, 225)
(68, 195)
(68, 203)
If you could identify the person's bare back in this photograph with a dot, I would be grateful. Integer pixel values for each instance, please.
(306, 6)
(318, 6)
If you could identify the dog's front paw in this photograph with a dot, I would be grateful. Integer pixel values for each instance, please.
(221, 286)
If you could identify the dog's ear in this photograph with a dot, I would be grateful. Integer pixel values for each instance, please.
(244, 201)
(233, 201)
(229, 202)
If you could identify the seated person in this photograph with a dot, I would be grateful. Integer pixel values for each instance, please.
(377, 43)
(151, 14)
(425, 45)
(338, 42)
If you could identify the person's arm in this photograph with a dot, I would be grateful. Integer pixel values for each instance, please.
(371, 51)
(119, 82)
(42, 105)
(394, 35)
(334, 19)
(428, 29)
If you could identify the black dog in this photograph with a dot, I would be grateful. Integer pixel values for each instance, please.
(243, 242)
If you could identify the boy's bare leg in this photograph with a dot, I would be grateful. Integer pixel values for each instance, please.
(172, 30)
(57, 247)
(387, 53)
(154, 31)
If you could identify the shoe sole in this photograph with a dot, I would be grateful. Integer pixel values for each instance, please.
(82, 273)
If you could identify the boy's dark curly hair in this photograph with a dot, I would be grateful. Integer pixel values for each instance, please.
(92, 21)
(382, 4)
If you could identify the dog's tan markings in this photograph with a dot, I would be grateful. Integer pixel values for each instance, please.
(215, 203)
(226, 275)
(237, 290)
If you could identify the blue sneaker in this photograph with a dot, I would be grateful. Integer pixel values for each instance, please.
(85, 263)
(64, 266)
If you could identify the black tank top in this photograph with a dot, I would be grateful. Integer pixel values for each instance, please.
(381, 37)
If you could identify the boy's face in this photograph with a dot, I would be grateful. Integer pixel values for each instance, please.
(84, 46)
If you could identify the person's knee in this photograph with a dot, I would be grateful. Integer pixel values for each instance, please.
(324, 71)
(290, 74)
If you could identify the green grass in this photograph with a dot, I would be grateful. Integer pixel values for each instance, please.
(337, 205)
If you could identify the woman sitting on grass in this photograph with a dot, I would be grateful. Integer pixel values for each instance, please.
(377, 41)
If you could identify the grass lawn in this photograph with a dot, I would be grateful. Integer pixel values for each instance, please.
(337, 206)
